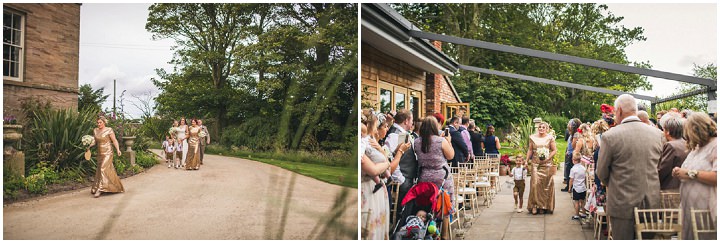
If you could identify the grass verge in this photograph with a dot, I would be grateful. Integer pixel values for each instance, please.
(345, 175)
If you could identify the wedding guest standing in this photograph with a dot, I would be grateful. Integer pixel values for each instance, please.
(203, 141)
(627, 164)
(192, 162)
(674, 151)
(106, 179)
(698, 175)
(182, 139)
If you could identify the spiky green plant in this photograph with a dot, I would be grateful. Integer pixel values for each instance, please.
(55, 136)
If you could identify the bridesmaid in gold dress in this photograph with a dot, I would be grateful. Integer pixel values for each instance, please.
(193, 154)
(542, 186)
(106, 179)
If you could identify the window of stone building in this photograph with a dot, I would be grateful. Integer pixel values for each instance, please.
(13, 45)
(393, 97)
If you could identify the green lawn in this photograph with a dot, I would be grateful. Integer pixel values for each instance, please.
(338, 175)
(505, 148)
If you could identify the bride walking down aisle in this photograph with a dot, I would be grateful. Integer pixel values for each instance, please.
(182, 139)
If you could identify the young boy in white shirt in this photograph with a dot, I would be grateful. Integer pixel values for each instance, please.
(577, 180)
(519, 173)
(169, 148)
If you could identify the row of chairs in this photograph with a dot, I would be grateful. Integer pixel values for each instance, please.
(664, 222)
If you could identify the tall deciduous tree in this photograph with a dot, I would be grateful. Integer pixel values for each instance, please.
(291, 80)
(208, 36)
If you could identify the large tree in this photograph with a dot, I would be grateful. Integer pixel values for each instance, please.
(207, 37)
(291, 76)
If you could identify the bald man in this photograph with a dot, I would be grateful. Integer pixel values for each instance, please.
(628, 166)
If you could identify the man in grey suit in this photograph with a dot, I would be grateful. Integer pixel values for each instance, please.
(203, 141)
(627, 165)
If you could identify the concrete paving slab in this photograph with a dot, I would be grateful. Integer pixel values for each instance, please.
(524, 235)
(526, 224)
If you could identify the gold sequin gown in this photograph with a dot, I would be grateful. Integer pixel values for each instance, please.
(542, 186)
(193, 152)
(106, 179)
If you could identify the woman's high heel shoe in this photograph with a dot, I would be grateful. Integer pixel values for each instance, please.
(97, 193)
(534, 211)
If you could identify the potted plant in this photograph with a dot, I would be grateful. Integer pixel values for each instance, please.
(129, 136)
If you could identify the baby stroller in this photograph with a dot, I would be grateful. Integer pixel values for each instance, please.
(423, 196)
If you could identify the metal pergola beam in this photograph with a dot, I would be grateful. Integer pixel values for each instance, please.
(564, 58)
(553, 82)
(685, 95)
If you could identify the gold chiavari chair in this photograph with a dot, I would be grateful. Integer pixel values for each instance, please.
(468, 173)
(482, 182)
(702, 222)
(658, 221)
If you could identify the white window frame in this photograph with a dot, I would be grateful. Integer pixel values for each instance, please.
(21, 60)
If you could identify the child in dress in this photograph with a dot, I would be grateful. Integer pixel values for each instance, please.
(519, 173)
(169, 148)
(365, 145)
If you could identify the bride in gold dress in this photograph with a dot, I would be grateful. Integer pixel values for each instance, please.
(193, 150)
(542, 186)
(106, 179)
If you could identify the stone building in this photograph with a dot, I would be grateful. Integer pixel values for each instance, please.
(41, 45)
(399, 71)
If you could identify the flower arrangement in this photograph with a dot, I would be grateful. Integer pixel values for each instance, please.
(172, 131)
(542, 153)
(9, 120)
(505, 160)
(87, 140)
(202, 134)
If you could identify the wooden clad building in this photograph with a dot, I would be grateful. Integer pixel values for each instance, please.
(399, 71)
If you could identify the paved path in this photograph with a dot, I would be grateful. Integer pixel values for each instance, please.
(228, 198)
(499, 222)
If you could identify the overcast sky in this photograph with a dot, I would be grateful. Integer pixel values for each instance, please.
(115, 45)
(678, 35)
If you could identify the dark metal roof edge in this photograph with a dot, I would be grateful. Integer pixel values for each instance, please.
(398, 26)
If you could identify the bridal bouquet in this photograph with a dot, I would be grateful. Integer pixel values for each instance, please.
(86, 142)
(172, 131)
(202, 134)
(543, 153)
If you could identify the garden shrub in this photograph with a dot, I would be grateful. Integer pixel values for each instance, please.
(46, 171)
(36, 184)
(72, 174)
(255, 133)
(145, 159)
(12, 183)
(120, 165)
(54, 136)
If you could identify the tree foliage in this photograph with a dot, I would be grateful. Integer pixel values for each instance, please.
(294, 65)
(89, 99)
(697, 102)
(584, 30)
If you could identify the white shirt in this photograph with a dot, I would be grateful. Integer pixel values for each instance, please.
(392, 139)
(167, 147)
(519, 173)
(577, 173)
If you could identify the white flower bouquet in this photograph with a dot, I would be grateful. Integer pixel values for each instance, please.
(542, 153)
(87, 140)
(202, 134)
(172, 131)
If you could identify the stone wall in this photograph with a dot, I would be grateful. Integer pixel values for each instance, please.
(51, 56)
